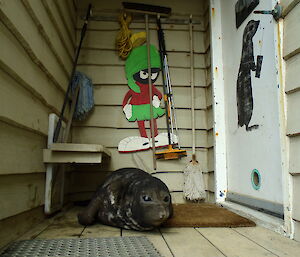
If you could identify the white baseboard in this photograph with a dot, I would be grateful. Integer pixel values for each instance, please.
(261, 219)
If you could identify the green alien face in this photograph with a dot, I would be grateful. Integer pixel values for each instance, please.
(137, 61)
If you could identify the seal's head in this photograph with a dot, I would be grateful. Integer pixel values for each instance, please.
(150, 202)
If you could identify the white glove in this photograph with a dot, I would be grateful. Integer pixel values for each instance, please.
(128, 111)
(156, 101)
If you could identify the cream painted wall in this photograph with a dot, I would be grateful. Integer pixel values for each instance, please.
(107, 125)
(291, 54)
(36, 55)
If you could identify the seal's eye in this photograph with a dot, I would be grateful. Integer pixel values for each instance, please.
(143, 74)
(147, 198)
(166, 199)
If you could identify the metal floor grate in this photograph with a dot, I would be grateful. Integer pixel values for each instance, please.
(83, 247)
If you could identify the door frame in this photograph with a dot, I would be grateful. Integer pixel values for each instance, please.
(219, 129)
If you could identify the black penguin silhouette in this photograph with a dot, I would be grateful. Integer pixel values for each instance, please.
(244, 85)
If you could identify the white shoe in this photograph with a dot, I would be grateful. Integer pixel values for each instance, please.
(162, 139)
(133, 144)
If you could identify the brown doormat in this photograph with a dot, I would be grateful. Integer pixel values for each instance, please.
(205, 215)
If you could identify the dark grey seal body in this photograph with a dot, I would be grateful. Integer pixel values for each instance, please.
(129, 198)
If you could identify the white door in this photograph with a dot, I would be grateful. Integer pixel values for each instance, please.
(252, 108)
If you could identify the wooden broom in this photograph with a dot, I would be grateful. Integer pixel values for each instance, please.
(193, 178)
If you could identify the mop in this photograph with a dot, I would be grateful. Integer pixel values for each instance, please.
(193, 188)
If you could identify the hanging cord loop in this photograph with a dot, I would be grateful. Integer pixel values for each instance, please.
(123, 42)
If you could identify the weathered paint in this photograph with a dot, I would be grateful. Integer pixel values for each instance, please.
(220, 164)
(286, 177)
(247, 150)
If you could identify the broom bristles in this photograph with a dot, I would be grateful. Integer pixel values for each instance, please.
(193, 182)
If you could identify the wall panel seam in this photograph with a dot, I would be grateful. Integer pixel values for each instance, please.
(45, 36)
(292, 54)
(8, 24)
(51, 17)
(21, 126)
(290, 7)
(26, 86)
(64, 22)
(71, 6)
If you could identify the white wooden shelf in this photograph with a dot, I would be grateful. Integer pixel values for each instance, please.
(75, 153)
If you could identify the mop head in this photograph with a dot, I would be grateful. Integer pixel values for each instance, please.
(193, 188)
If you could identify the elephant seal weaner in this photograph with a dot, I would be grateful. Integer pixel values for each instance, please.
(129, 198)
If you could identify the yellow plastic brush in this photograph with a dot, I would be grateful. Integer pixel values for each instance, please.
(170, 154)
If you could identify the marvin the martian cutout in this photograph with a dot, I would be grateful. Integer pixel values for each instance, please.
(136, 102)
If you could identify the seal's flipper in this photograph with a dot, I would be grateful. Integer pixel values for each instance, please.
(88, 216)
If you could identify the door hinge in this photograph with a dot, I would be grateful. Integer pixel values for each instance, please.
(276, 12)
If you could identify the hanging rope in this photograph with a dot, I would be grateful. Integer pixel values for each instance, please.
(124, 44)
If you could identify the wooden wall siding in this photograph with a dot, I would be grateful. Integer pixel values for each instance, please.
(73, 14)
(179, 8)
(171, 170)
(209, 96)
(62, 31)
(105, 40)
(288, 5)
(20, 193)
(107, 124)
(26, 72)
(90, 180)
(292, 76)
(297, 230)
(210, 118)
(67, 18)
(296, 193)
(291, 38)
(294, 164)
(110, 137)
(86, 179)
(103, 93)
(210, 194)
(291, 52)
(143, 160)
(210, 160)
(113, 117)
(210, 138)
(20, 150)
(293, 117)
(108, 57)
(208, 58)
(106, 75)
(139, 24)
(42, 21)
(14, 227)
(296, 206)
(35, 63)
(18, 105)
(15, 16)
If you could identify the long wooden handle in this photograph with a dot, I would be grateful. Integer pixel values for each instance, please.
(192, 85)
(66, 99)
(150, 90)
